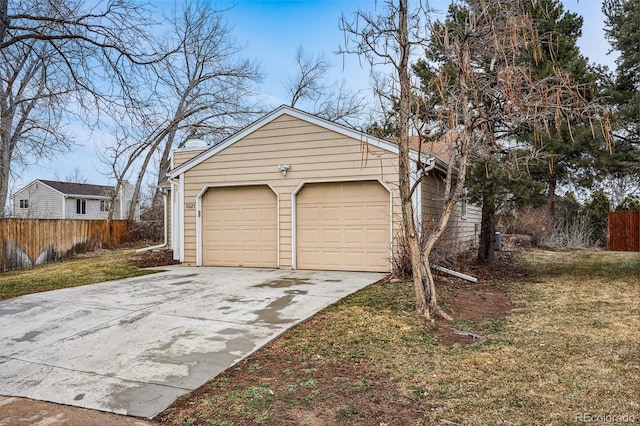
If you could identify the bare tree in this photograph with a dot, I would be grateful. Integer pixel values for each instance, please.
(307, 84)
(618, 187)
(202, 90)
(64, 60)
(76, 176)
(33, 95)
(111, 25)
(468, 103)
(4, 18)
(332, 102)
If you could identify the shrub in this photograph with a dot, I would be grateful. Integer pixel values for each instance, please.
(629, 203)
(571, 233)
(533, 221)
(596, 214)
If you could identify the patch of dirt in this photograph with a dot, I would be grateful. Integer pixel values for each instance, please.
(287, 386)
(299, 393)
(16, 411)
(476, 302)
(154, 259)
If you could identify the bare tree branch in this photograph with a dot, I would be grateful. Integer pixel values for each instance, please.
(63, 60)
(202, 90)
(477, 91)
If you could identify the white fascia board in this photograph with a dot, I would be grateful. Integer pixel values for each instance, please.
(282, 110)
(33, 183)
(21, 190)
(88, 197)
(442, 166)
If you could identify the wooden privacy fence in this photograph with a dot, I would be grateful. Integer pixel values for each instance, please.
(624, 231)
(28, 242)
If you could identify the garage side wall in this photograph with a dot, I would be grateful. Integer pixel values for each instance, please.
(462, 230)
(316, 154)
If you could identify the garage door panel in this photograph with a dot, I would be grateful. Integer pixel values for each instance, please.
(343, 226)
(353, 213)
(328, 213)
(239, 227)
(376, 235)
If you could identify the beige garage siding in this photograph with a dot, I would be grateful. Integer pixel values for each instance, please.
(343, 226)
(239, 227)
(314, 153)
(461, 231)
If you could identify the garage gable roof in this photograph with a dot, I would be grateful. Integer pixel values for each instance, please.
(310, 118)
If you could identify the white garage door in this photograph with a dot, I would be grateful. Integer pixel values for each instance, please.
(343, 226)
(239, 227)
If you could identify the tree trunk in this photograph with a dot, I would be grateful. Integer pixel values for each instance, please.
(4, 190)
(404, 163)
(486, 250)
(136, 189)
(6, 152)
(163, 168)
(551, 199)
(4, 18)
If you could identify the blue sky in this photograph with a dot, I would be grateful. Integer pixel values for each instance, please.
(272, 31)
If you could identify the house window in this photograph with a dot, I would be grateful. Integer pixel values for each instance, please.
(81, 206)
(24, 204)
(463, 203)
(104, 205)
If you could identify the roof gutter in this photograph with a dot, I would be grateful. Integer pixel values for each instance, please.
(88, 197)
(430, 163)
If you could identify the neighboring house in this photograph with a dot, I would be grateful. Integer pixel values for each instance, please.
(294, 191)
(48, 199)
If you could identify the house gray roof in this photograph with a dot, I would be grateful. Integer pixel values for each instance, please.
(72, 188)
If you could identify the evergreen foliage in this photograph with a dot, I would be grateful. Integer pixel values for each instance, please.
(622, 29)
(628, 204)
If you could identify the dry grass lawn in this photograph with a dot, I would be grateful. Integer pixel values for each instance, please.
(568, 351)
(87, 269)
(571, 348)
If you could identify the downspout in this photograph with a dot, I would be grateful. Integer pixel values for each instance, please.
(164, 243)
(121, 201)
(455, 273)
(181, 205)
(176, 213)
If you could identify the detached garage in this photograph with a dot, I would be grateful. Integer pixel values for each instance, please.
(290, 191)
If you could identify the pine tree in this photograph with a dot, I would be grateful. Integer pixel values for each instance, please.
(574, 152)
(622, 29)
(621, 88)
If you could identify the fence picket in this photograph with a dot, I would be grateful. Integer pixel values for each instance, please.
(26, 242)
(624, 231)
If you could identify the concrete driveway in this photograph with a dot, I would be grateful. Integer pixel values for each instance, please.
(133, 346)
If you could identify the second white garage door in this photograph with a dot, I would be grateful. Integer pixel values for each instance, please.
(343, 226)
(239, 227)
